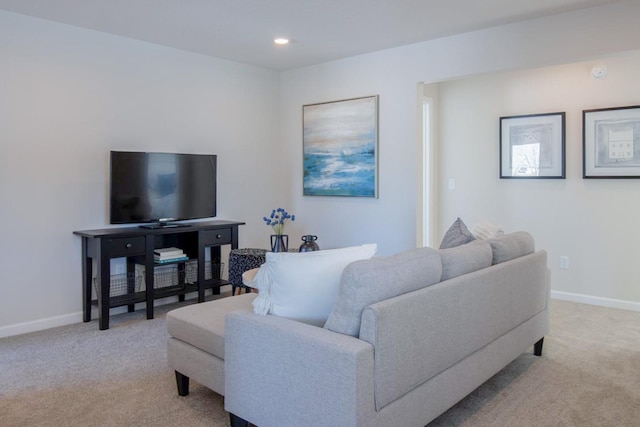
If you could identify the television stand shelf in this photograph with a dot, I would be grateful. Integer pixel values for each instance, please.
(137, 244)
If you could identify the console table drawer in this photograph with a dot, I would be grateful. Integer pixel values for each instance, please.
(221, 236)
(126, 246)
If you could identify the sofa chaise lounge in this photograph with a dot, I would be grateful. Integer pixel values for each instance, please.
(410, 335)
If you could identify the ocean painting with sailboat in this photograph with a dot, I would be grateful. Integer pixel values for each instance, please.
(340, 144)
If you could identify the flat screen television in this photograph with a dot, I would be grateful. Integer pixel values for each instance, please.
(161, 187)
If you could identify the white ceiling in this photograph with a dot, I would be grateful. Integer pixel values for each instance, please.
(320, 30)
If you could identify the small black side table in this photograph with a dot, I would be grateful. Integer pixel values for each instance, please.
(241, 260)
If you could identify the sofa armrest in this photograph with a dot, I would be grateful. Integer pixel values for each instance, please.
(280, 372)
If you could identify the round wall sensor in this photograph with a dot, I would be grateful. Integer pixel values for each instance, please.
(599, 72)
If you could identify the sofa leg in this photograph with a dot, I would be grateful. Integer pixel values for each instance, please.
(236, 421)
(183, 384)
(537, 347)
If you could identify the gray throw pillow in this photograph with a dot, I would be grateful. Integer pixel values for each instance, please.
(458, 234)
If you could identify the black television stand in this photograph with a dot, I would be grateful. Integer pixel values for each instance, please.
(136, 244)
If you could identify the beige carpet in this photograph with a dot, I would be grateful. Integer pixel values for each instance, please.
(76, 375)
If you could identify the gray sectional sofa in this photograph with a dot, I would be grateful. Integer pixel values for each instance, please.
(410, 335)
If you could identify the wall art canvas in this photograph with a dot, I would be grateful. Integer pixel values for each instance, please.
(340, 148)
(611, 142)
(532, 146)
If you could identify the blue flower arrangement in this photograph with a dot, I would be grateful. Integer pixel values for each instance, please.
(278, 219)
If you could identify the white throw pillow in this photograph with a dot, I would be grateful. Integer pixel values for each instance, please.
(304, 286)
(485, 230)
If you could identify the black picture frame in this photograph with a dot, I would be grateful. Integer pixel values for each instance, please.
(611, 143)
(532, 146)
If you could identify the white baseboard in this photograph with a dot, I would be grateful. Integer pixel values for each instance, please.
(600, 301)
(68, 319)
(40, 324)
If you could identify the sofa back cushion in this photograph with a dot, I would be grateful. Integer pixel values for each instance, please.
(465, 259)
(304, 286)
(512, 245)
(420, 334)
(366, 282)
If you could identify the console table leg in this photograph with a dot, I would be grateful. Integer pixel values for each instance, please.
(104, 290)
(103, 302)
(148, 269)
(200, 274)
(87, 276)
(131, 282)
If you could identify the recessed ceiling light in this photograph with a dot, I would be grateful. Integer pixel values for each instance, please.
(281, 41)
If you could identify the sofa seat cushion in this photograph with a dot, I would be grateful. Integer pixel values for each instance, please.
(202, 325)
(465, 259)
(366, 282)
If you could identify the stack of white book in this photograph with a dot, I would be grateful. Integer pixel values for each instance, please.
(164, 255)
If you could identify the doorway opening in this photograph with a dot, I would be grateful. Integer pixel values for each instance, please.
(426, 219)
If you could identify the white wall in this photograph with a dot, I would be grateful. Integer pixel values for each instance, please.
(67, 97)
(592, 221)
(394, 75)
